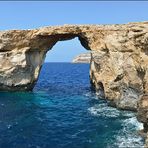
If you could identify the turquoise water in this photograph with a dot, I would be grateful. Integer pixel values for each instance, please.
(63, 112)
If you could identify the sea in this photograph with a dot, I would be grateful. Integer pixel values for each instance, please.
(63, 111)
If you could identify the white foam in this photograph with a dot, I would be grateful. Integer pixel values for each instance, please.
(133, 122)
(129, 142)
(103, 110)
(91, 95)
(127, 136)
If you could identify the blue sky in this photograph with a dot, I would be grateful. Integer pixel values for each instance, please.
(27, 15)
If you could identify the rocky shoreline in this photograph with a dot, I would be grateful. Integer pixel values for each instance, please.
(118, 65)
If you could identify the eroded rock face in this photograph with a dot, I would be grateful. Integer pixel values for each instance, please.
(82, 58)
(122, 76)
(119, 59)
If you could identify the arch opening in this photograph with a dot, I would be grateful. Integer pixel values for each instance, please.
(64, 51)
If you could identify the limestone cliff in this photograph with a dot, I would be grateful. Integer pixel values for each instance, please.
(82, 58)
(119, 59)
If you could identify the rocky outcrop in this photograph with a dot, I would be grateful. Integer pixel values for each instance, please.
(119, 59)
(121, 76)
(82, 58)
(119, 69)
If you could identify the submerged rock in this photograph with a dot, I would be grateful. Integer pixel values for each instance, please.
(82, 58)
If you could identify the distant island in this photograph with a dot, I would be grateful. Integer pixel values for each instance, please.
(82, 58)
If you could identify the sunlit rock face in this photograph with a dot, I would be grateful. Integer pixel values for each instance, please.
(119, 58)
(121, 76)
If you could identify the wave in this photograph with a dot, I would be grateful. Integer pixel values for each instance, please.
(127, 136)
(104, 111)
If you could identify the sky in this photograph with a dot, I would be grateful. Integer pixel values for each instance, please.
(29, 15)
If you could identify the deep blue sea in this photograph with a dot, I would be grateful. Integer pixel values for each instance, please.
(63, 112)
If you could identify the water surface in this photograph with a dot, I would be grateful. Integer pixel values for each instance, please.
(63, 112)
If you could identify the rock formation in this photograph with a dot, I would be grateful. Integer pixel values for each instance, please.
(119, 60)
(119, 56)
(82, 58)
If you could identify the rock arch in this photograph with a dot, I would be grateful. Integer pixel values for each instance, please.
(119, 56)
